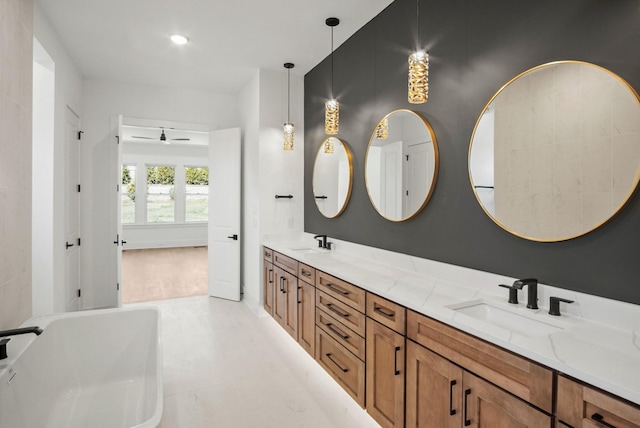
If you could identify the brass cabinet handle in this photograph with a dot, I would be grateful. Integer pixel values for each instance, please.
(338, 365)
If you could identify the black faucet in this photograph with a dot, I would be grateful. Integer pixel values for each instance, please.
(532, 291)
(5, 333)
(322, 242)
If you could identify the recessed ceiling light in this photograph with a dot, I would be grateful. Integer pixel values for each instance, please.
(179, 39)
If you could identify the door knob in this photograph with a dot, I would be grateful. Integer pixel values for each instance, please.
(67, 245)
(234, 237)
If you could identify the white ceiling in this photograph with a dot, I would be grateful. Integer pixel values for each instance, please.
(128, 40)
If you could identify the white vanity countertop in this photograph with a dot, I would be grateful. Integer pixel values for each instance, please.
(601, 354)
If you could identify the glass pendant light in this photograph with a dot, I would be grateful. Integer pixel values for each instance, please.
(288, 127)
(418, 90)
(331, 107)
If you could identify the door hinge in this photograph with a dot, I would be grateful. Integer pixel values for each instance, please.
(79, 293)
(407, 193)
(78, 188)
(78, 242)
(117, 187)
(407, 157)
(117, 286)
(117, 139)
(80, 135)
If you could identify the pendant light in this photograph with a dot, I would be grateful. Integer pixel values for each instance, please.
(382, 130)
(331, 107)
(288, 127)
(418, 90)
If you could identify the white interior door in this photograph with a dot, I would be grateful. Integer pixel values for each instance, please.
(391, 183)
(419, 173)
(119, 242)
(224, 213)
(72, 212)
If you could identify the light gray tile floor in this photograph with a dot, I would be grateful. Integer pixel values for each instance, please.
(224, 366)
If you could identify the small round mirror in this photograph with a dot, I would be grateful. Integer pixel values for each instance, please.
(332, 177)
(556, 152)
(401, 165)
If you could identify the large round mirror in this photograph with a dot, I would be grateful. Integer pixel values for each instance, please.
(556, 152)
(401, 165)
(332, 177)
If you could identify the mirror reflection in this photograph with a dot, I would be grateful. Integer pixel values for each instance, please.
(556, 152)
(401, 165)
(332, 177)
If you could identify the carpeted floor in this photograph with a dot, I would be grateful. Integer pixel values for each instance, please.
(164, 273)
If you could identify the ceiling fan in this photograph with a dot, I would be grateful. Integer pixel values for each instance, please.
(163, 137)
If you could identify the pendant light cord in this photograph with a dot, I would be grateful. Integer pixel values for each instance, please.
(288, 95)
(332, 94)
(418, 22)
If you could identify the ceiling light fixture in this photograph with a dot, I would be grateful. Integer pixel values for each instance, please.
(331, 107)
(179, 39)
(288, 127)
(418, 90)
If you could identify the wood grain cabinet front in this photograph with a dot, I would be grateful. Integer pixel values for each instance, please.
(268, 281)
(580, 405)
(307, 317)
(285, 301)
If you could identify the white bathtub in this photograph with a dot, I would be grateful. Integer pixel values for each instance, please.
(100, 368)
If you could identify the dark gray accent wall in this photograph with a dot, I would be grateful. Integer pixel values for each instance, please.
(475, 47)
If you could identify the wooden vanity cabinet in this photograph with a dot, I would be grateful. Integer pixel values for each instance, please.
(385, 362)
(285, 302)
(476, 383)
(268, 280)
(580, 405)
(306, 308)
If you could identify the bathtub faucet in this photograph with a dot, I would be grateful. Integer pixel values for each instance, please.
(5, 333)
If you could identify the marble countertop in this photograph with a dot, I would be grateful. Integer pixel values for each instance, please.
(601, 354)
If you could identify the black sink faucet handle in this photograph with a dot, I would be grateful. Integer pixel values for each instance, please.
(554, 305)
(513, 292)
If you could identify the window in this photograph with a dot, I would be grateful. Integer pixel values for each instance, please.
(196, 193)
(128, 194)
(160, 194)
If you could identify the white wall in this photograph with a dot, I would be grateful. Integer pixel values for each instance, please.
(68, 90)
(102, 102)
(269, 170)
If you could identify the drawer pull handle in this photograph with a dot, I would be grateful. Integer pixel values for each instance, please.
(298, 295)
(337, 289)
(452, 411)
(600, 419)
(334, 310)
(336, 331)
(270, 276)
(267, 255)
(282, 289)
(467, 421)
(305, 273)
(389, 314)
(338, 365)
(395, 361)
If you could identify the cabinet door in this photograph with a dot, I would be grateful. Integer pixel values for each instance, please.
(290, 286)
(385, 374)
(268, 280)
(434, 390)
(279, 296)
(487, 406)
(307, 317)
(579, 405)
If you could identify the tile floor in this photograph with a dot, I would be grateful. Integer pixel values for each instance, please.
(226, 367)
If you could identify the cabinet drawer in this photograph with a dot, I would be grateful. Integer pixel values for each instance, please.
(386, 312)
(286, 263)
(342, 334)
(342, 365)
(268, 254)
(580, 405)
(342, 312)
(519, 376)
(341, 290)
(307, 273)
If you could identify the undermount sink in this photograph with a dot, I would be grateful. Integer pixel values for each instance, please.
(307, 250)
(515, 320)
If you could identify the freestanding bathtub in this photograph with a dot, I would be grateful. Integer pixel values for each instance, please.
(98, 368)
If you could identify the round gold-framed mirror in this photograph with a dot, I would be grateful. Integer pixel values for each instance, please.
(332, 177)
(555, 153)
(401, 165)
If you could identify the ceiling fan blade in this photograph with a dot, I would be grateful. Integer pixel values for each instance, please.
(181, 139)
(144, 138)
